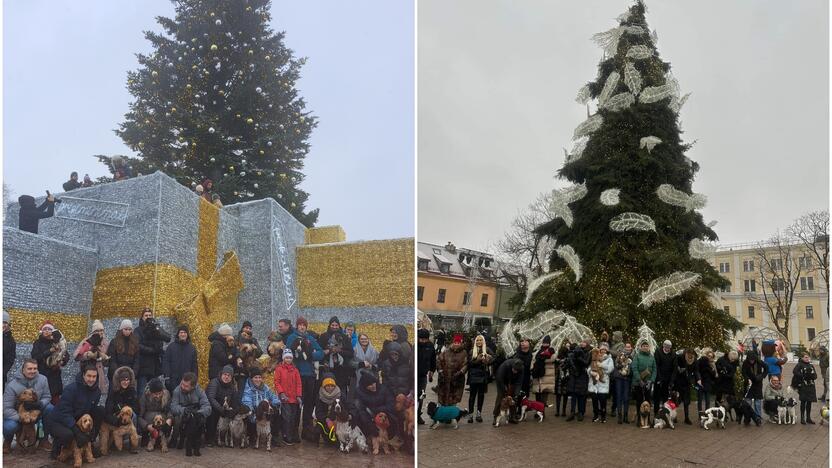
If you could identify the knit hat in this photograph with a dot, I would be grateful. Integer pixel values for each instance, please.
(334, 319)
(667, 343)
(225, 329)
(126, 323)
(423, 334)
(246, 324)
(328, 381)
(301, 321)
(547, 340)
(604, 345)
(199, 189)
(5, 317)
(49, 324)
(226, 369)
(155, 385)
(458, 338)
(255, 371)
(288, 353)
(350, 325)
(97, 325)
(367, 379)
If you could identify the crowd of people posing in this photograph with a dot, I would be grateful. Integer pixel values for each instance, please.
(298, 385)
(613, 376)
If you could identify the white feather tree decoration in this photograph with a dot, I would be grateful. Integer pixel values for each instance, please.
(588, 126)
(654, 37)
(666, 287)
(572, 259)
(649, 142)
(620, 101)
(646, 335)
(583, 95)
(562, 198)
(677, 103)
(674, 197)
(634, 30)
(639, 52)
(655, 93)
(572, 330)
(712, 223)
(697, 248)
(609, 87)
(632, 78)
(609, 197)
(535, 283)
(608, 40)
(577, 150)
(558, 325)
(630, 221)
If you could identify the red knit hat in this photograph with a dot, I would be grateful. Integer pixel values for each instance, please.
(458, 338)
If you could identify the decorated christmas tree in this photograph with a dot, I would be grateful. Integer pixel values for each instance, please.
(216, 99)
(630, 245)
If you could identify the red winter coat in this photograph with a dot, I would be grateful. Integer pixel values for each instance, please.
(287, 381)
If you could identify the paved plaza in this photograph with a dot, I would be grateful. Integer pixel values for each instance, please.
(556, 442)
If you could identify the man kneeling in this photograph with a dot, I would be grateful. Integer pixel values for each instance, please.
(189, 407)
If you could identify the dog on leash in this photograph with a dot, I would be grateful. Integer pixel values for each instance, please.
(27, 435)
(732, 407)
(224, 425)
(382, 440)
(83, 453)
(790, 404)
(667, 413)
(506, 407)
(263, 417)
(192, 426)
(348, 435)
(645, 415)
(445, 415)
(160, 432)
(712, 415)
(537, 407)
(117, 433)
(237, 427)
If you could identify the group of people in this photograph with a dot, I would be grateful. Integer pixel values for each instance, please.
(619, 373)
(206, 191)
(299, 373)
(73, 183)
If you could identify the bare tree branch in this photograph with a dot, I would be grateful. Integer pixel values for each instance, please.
(779, 275)
(812, 229)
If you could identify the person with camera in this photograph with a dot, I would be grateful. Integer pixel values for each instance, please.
(152, 339)
(30, 214)
(188, 397)
(179, 358)
(80, 398)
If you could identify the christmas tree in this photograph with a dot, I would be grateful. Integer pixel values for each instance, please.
(217, 99)
(630, 243)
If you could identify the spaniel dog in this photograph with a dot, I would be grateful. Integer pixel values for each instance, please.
(263, 417)
(27, 435)
(117, 433)
(84, 423)
(237, 427)
(224, 426)
(160, 432)
(382, 440)
(506, 406)
(348, 435)
(645, 415)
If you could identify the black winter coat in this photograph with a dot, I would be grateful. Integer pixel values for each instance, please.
(726, 370)
(220, 355)
(756, 372)
(706, 373)
(118, 398)
(127, 357)
(407, 348)
(41, 349)
(152, 340)
(426, 358)
(478, 369)
(71, 185)
(77, 400)
(506, 377)
(526, 357)
(665, 363)
(803, 379)
(367, 404)
(9, 353)
(30, 215)
(684, 375)
(218, 391)
(398, 376)
(577, 361)
(345, 370)
(178, 359)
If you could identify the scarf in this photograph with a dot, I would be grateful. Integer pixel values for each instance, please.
(371, 355)
(328, 398)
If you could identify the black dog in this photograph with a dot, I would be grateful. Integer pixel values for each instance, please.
(745, 412)
(192, 427)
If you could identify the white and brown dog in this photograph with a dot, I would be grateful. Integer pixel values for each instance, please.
(237, 427)
(224, 426)
(263, 421)
(506, 407)
(159, 434)
(536, 407)
(667, 413)
(349, 436)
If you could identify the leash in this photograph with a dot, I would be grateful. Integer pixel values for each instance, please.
(330, 434)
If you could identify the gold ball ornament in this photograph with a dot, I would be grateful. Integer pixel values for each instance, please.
(248, 8)
(211, 14)
(250, 52)
(173, 109)
(238, 116)
(293, 204)
(282, 175)
(188, 86)
(249, 121)
(214, 47)
(262, 152)
(231, 168)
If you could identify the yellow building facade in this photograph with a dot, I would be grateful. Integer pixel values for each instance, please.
(740, 264)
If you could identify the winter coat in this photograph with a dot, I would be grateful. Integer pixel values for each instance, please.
(367, 404)
(149, 407)
(9, 352)
(543, 371)
(152, 340)
(725, 370)
(603, 384)
(478, 368)
(578, 362)
(401, 338)
(770, 393)
(507, 380)
(623, 365)
(85, 347)
(707, 373)
(252, 396)
(561, 372)
(16, 386)
(397, 375)
(218, 391)
(643, 361)
(755, 372)
(118, 397)
(313, 351)
(221, 355)
(71, 185)
(178, 359)
(77, 400)
(371, 356)
(123, 351)
(803, 379)
(339, 364)
(41, 350)
(287, 382)
(526, 357)
(30, 215)
(195, 399)
(425, 358)
(774, 364)
(684, 375)
(451, 382)
(665, 363)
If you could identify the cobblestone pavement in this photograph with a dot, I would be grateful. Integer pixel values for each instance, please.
(578, 444)
(299, 455)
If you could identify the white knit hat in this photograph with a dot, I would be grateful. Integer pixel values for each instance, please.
(97, 325)
(126, 323)
(225, 329)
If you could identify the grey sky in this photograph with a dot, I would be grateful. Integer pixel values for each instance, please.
(496, 101)
(65, 65)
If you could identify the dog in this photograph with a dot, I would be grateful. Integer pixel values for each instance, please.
(348, 436)
(445, 414)
(263, 420)
(382, 440)
(297, 349)
(781, 411)
(247, 352)
(667, 413)
(645, 415)
(595, 366)
(237, 427)
(790, 404)
(824, 415)
(536, 407)
(57, 353)
(745, 412)
(117, 433)
(404, 407)
(506, 407)
(160, 433)
(191, 428)
(79, 454)
(223, 426)
(732, 407)
(27, 435)
(711, 415)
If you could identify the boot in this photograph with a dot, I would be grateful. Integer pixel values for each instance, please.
(580, 417)
(620, 418)
(7, 446)
(420, 421)
(479, 416)
(181, 443)
(571, 417)
(188, 451)
(471, 418)
(626, 419)
(196, 451)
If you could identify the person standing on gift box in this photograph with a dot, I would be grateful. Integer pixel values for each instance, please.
(49, 350)
(152, 339)
(179, 358)
(123, 349)
(9, 348)
(91, 351)
(223, 352)
(30, 214)
(72, 183)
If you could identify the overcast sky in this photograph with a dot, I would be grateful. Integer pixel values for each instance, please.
(496, 100)
(65, 73)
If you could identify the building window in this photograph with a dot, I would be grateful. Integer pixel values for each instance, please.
(807, 284)
(466, 298)
(441, 297)
(751, 312)
(778, 284)
(484, 301)
(724, 268)
(804, 262)
(423, 264)
(776, 264)
(748, 265)
(727, 310)
(444, 268)
(437, 251)
(420, 293)
(810, 333)
(750, 286)
(810, 312)
(725, 289)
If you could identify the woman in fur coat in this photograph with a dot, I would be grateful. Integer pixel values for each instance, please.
(543, 370)
(478, 363)
(803, 379)
(453, 363)
(122, 393)
(708, 374)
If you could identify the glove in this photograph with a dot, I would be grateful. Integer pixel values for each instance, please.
(283, 397)
(81, 438)
(31, 405)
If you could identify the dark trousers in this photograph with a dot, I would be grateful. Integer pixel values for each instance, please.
(684, 400)
(422, 383)
(622, 395)
(599, 405)
(476, 392)
(806, 407)
(290, 412)
(703, 397)
(558, 398)
(211, 427)
(660, 394)
(642, 393)
(310, 393)
(580, 401)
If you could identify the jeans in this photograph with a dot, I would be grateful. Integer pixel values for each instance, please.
(702, 397)
(309, 388)
(622, 394)
(11, 426)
